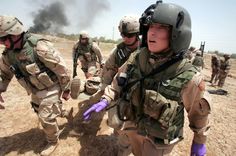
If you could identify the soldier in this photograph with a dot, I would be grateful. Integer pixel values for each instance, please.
(215, 66)
(224, 70)
(40, 69)
(198, 60)
(86, 54)
(154, 88)
(129, 31)
(190, 53)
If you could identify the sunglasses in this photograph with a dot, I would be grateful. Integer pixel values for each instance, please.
(128, 35)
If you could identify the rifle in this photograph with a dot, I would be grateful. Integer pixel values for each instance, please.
(17, 72)
(75, 57)
(202, 46)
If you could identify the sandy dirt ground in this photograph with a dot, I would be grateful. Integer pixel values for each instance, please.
(21, 133)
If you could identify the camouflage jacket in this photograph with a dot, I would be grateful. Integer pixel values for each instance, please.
(38, 66)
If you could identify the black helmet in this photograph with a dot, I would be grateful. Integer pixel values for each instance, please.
(169, 14)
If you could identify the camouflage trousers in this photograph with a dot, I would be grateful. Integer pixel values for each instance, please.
(214, 75)
(131, 143)
(222, 77)
(48, 109)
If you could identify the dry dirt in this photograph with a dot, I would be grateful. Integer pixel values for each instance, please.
(20, 133)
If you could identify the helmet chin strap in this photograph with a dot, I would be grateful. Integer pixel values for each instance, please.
(13, 43)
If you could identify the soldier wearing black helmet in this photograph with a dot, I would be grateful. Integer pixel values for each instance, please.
(155, 87)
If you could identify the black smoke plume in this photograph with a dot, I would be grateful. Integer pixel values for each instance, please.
(50, 19)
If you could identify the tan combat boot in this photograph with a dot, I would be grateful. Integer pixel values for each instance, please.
(49, 149)
(75, 87)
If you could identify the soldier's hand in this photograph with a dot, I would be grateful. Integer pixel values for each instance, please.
(1, 101)
(79, 63)
(66, 95)
(97, 107)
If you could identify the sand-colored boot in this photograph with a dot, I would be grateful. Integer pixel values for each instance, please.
(75, 87)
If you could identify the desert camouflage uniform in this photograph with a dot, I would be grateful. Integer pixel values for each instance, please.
(215, 66)
(89, 55)
(190, 54)
(40, 69)
(198, 61)
(118, 57)
(192, 97)
(224, 71)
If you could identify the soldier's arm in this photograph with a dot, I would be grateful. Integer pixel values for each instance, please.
(52, 59)
(97, 51)
(5, 73)
(112, 91)
(228, 66)
(197, 103)
(74, 52)
(110, 69)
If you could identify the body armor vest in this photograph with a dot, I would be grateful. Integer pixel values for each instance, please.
(86, 51)
(225, 65)
(122, 54)
(170, 119)
(27, 67)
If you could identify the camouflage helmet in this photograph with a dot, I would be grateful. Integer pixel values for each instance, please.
(226, 56)
(173, 15)
(129, 24)
(10, 25)
(92, 85)
(198, 52)
(192, 48)
(83, 34)
(214, 56)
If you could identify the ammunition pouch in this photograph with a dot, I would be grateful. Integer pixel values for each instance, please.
(152, 128)
(40, 80)
(160, 108)
(125, 110)
(160, 116)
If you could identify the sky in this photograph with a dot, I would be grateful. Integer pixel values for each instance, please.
(213, 21)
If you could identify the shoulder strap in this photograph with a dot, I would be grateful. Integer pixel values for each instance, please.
(156, 70)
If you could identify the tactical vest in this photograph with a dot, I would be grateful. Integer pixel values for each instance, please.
(122, 54)
(225, 65)
(86, 51)
(169, 84)
(27, 67)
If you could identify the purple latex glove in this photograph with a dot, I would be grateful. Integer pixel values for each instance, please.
(198, 149)
(97, 107)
